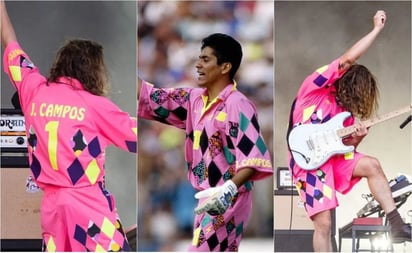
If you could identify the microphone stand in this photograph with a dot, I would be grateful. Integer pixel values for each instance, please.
(407, 120)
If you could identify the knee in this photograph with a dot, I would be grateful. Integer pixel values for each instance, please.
(372, 166)
(322, 223)
(374, 163)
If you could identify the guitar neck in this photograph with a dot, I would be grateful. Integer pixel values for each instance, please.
(344, 132)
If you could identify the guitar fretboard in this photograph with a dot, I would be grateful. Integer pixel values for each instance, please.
(351, 129)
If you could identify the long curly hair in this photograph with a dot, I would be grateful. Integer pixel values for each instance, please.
(84, 61)
(357, 91)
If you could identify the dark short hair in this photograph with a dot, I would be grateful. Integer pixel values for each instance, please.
(226, 49)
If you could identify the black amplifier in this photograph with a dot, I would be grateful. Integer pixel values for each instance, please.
(13, 140)
(13, 131)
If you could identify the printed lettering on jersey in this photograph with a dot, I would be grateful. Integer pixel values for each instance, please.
(13, 54)
(58, 111)
(259, 162)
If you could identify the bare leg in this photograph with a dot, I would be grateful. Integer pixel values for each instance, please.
(370, 168)
(322, 234)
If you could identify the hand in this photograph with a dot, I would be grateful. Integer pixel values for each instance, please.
(360, 130)
(379, 19)
(219, 198)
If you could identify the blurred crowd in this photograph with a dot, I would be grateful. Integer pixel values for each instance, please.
(168, 39)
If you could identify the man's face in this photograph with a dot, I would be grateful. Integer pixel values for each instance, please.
(207, 68)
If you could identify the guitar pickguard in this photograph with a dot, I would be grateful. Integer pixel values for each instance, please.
(312, 145)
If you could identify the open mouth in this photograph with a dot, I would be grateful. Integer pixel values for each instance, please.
(200, 75)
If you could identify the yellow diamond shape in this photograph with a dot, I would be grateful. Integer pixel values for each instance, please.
(92, 171)
(99, 248)
(15, 72)
(349, 156)
(108, 228)
(327, 191)
(51, 246)
(307, 112)
(322, 69)
(196, 139)
(196, 235)
(221, 116)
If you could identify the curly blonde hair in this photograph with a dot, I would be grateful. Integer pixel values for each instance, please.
(84, 61)
(357, 91)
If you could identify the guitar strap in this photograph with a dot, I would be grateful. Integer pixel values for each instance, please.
(290, 126)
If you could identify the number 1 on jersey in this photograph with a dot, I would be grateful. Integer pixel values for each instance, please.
(51, 128)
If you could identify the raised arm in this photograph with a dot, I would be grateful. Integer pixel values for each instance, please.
(7, 31)
(360, 47)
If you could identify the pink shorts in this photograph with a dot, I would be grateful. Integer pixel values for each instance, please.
(317, 188)
(81, 219)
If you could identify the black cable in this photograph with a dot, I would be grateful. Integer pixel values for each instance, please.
(290, 127)
(291, 212)
(307, 159)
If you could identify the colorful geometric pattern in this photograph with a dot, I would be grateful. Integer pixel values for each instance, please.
(73, 132)
(16, 71)
(222, 137)
(49, 245)
(35, 166)
(79, 143)
(32, 139)
(207, 237)
(320, 80)
(315, 104)
(314, 189)
(68, 131)
(219, 136)
(107, 236)
(76, 170)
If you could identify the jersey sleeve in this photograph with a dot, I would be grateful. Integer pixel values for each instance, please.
(166, 105)
(321, 78)
(117, 126)
(244, 135)
(23, 74)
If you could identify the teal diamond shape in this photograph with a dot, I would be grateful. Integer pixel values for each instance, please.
(243, 122)
(162, 112)
(261, 145)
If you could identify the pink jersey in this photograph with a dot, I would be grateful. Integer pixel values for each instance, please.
(316, 104)
(67, 127)
(315, 101)
(222, 138)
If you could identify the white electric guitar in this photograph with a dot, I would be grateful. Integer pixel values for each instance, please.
(312, 145)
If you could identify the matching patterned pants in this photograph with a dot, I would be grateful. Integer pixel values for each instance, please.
(81, 219)
(222, 232)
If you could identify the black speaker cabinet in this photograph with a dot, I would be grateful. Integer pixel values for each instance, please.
(293, 240)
